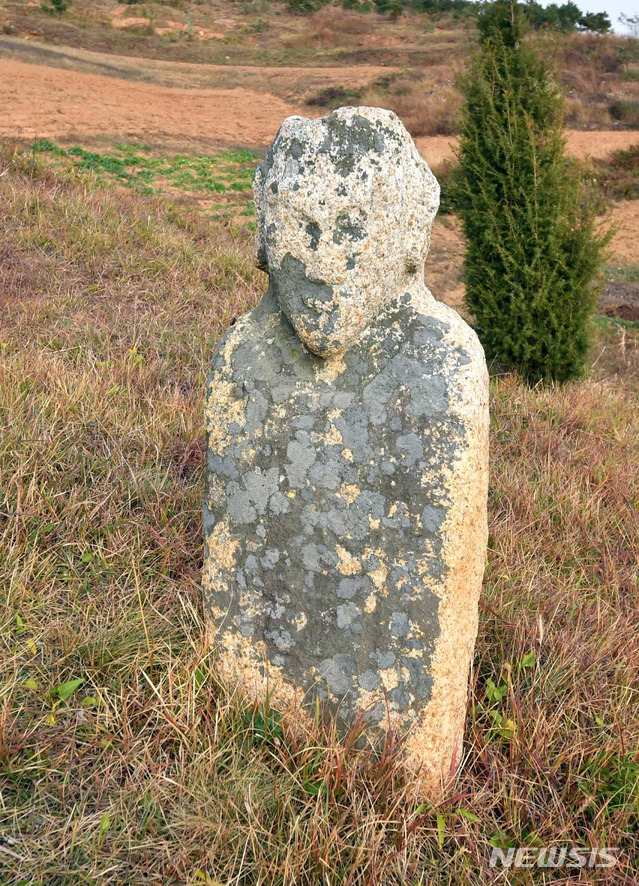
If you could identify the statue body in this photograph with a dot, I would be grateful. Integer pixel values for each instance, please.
(347, 422)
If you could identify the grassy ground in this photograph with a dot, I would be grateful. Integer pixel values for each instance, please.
(254, 31)
(123, 760)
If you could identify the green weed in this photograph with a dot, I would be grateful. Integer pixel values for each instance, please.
(134, 166)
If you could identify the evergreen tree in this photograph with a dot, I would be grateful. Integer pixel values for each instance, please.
(533, 248)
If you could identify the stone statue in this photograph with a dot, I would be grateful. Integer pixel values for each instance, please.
(347, 423)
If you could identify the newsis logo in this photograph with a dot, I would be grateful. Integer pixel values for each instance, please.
(554, 857)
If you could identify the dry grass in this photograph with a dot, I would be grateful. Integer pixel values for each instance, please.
(424, 108)
(619, 174)
(255, 32)
(592, 70)
(150, 771)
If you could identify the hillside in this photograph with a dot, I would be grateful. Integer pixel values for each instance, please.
(195, 78)
(411, 60)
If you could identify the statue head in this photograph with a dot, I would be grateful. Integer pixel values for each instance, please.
(345, 207)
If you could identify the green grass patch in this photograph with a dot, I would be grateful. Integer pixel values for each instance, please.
(623, 273)
(136, 167)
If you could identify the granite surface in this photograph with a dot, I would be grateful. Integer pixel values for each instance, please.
(347, 421)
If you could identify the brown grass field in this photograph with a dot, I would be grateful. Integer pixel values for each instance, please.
(123, 759)
(148, 770)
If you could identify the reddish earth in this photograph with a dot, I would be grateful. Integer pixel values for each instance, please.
(625, 243)
(45, 102)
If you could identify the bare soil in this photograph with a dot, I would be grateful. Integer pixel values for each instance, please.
(625, 243)
(293, 83)
(46, 102)
(620, 299)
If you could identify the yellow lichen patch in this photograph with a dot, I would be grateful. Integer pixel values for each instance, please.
(414, 653)
(333, 437)
(349, 492)
(215, 491)
(380, 574)
(249, 604)
(331, 368)
(367, 701)
(373, 522)
(347, 454)
(300, 621)
(399, 509)
(428, 582)
(213, 582)
(414, 632)
(221, 547)
(348, 564)
(242, 662)
(371, 603)
(222, 409)
(389, 679)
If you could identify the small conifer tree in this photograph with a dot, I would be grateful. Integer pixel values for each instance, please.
(534, 251)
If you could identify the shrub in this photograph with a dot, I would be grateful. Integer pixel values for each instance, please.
(533, 252)
(335, 97)
(58, 6)
(619, 174)
(304, 6)
(626, 111)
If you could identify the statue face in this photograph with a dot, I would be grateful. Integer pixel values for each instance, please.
(345, 207)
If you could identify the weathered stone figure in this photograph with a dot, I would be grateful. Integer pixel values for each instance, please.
(347, 419)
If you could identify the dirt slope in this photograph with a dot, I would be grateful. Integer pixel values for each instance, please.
(38, 101)
(625, 243)
(45, 102)
(293, 83)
